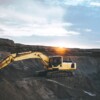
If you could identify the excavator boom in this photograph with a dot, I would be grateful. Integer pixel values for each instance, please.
(22, 56)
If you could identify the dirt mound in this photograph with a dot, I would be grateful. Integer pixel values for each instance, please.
(17, 81)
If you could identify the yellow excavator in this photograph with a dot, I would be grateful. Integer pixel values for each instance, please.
(51, 63)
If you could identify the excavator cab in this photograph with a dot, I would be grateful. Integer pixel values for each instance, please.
(55, 61)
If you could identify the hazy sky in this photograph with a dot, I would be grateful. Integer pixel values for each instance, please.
(69, 23)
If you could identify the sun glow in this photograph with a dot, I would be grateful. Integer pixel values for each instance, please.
(60, 48)
(60, 45)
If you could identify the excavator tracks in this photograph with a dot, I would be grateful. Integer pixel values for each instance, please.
(59, 74)
(54, 74)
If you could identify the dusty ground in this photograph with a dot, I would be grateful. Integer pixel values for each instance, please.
(17, 81)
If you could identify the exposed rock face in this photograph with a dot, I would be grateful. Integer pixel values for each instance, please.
(6, 45)
(6, 42)
(18, 83)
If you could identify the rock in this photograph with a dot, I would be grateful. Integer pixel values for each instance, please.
(6, 42)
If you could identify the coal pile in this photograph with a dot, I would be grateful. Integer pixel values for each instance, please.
(17, 81)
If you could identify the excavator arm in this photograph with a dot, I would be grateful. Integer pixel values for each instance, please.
(22, 56)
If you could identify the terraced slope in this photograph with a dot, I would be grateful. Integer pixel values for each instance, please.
(17, 81)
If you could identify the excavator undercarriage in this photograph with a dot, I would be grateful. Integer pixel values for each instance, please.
(53, 74)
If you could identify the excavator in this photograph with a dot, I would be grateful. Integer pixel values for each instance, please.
(52, 64)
